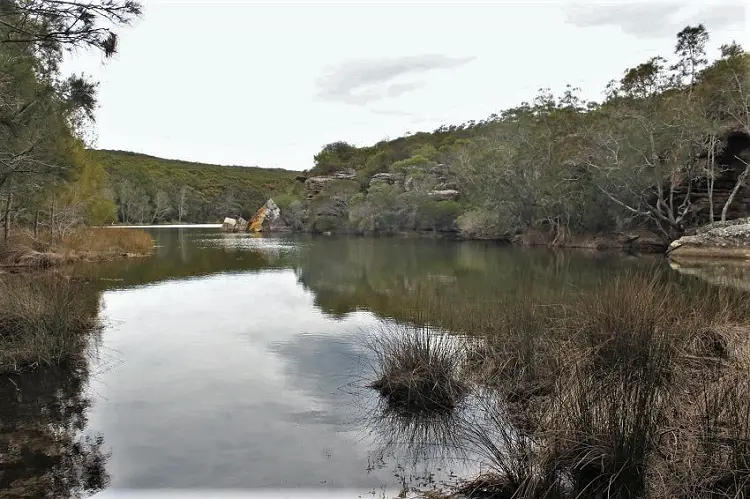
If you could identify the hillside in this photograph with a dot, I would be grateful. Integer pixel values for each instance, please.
(148, 189)
(666, 151)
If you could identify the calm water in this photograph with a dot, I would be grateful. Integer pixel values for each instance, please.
(237, 362)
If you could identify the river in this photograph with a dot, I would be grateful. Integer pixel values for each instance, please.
(238, 362)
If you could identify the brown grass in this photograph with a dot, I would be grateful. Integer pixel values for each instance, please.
(84, 244)
(43, 320)
(417, 370)
(637, 388)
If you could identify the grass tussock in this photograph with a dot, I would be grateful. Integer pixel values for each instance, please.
(636, 388)
(84, 244)
(43, 321)
(417, 369)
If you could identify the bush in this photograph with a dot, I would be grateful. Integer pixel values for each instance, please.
(438, 215)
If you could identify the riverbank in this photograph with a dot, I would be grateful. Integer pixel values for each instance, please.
(635, 388)
(24, 251)
(46, 317)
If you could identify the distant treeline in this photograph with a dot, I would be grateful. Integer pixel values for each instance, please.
(154, 190)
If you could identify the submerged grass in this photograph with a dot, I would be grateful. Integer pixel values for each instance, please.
(44, 320)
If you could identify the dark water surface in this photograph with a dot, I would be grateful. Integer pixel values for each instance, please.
(236, 362)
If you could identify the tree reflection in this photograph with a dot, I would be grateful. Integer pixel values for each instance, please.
(43, 452)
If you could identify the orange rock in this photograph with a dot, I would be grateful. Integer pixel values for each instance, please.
(256, 223)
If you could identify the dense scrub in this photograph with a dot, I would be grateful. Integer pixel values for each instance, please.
(151, 190)
(667, 150)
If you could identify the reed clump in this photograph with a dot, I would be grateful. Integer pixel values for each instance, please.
(417, 369)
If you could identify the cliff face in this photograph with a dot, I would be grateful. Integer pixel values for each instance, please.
(732, 157)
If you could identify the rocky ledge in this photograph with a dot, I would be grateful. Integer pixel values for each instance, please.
(717, 240)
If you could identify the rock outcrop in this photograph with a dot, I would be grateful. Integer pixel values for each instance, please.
(315, 185)
(234, 225)
(348, 174)
(444, 195)
(386, 178)
(717, 240)
(268, 219)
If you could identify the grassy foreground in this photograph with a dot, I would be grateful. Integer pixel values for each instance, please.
(45, 317)
(23, 250)
(637, 388)
(44, 320)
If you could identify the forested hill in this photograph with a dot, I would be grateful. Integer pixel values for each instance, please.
(148, 189)
(668, 149)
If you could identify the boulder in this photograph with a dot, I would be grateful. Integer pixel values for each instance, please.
(386, 178)
(229, 224)
(314, 185)
(348, 174)
(267, 219)
(717, 240)
(444, 195)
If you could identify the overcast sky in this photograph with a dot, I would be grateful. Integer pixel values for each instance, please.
(268, 84)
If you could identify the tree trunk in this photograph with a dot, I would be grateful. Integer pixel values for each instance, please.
(740, 183)
(711, 179)
(8, 204)
(52, 218)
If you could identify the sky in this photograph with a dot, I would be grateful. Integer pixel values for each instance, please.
(252, 83)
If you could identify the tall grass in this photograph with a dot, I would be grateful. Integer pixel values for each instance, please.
(635, 388)
(46, 250)
(43, 320)
(417, 369)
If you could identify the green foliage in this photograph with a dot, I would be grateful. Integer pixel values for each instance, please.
(211, 192)
(405, 165)
(284, 200)
(334, 156)
(341, 187)
(438, 215)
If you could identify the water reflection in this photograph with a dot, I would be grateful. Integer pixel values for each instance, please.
(44, 451)
(233, 361)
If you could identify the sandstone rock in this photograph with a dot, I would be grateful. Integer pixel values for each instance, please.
(267, 219)
(444, 195)
(386, 178)
(348, 174)
(314, 185)
(717, 240)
